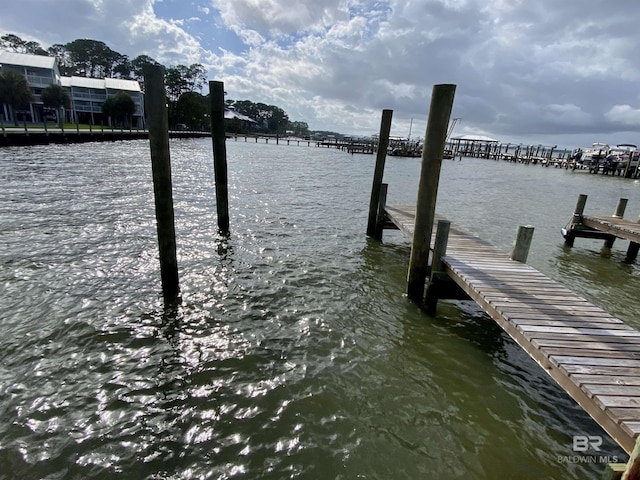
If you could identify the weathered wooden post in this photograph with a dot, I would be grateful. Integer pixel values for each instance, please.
(216, 92)
(383, 143)
(570, 236)
(437, 282)
(380, 218)
(520, 250)
(621, 207)
(162, 187)
(435, 136)
(632, 251)
(619, 213)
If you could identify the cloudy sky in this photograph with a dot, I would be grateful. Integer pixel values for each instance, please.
(563, 72)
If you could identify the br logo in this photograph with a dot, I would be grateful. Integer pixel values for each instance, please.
(582, 443)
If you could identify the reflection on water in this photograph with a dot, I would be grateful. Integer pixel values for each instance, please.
(295, 352)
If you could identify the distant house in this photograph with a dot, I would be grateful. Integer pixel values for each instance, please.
(246, 123)
(87, 94)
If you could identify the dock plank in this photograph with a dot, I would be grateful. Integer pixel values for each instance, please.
(593, 356)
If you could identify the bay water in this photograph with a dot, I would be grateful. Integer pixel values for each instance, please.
(294, 352)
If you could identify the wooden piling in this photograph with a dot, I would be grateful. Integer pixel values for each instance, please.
(620, 208)
(520, 250)
(216, 92)
(439, 281)
(380, 216)
(618, 213)
(383, 143)
(575, 220)
(162, 187)
(435, 136)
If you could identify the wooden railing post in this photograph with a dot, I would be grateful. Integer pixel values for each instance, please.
(383, 143)
(435, 136)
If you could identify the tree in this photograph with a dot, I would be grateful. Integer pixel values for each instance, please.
(17, 44)
(138, 63)
(92, 58)
(120, 108)
(299, 128)
(191, 110)
(57, 98)
(65, 64)
(14, 91)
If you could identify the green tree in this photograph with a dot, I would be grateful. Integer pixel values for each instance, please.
(138, 63)
(120, 108)
(192, 109)
(65, 64)
(17, 44)
(57, 98)
(14, 91)
(91, 58)
(299, 128)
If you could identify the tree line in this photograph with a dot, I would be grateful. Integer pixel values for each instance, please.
(183, 85)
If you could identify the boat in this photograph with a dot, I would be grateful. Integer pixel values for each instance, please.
(406, 149)
(589, 158)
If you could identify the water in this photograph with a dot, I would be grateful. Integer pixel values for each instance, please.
(294, 353)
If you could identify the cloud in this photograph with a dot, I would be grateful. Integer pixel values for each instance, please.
(523, 69)
(624, 115)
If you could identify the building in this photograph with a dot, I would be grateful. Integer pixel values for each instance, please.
(87, 94)
(40, 72)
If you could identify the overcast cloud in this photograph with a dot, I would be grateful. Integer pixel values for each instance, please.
(544, 71)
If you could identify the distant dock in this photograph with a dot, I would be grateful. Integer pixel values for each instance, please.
(41, 136)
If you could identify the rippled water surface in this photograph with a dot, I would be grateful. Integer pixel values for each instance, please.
(294, 352)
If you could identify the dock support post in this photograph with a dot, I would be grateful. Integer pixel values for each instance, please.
(520, 250)
(380, 219)
(162, 186)
(383, 142)
(576, 220)
(435, 136)
(632, 472)
(216, 90)
(437, 270)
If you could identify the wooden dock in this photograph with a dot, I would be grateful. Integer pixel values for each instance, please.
(604, 227)
(592, 355)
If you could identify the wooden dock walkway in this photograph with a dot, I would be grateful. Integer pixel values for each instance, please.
(592, 355)
(604, 227)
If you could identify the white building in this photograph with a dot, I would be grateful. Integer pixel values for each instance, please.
(87, 94)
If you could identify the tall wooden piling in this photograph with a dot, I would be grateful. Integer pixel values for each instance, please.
(383, 143)
(435, 136)
(162, 186)
(216, 93)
